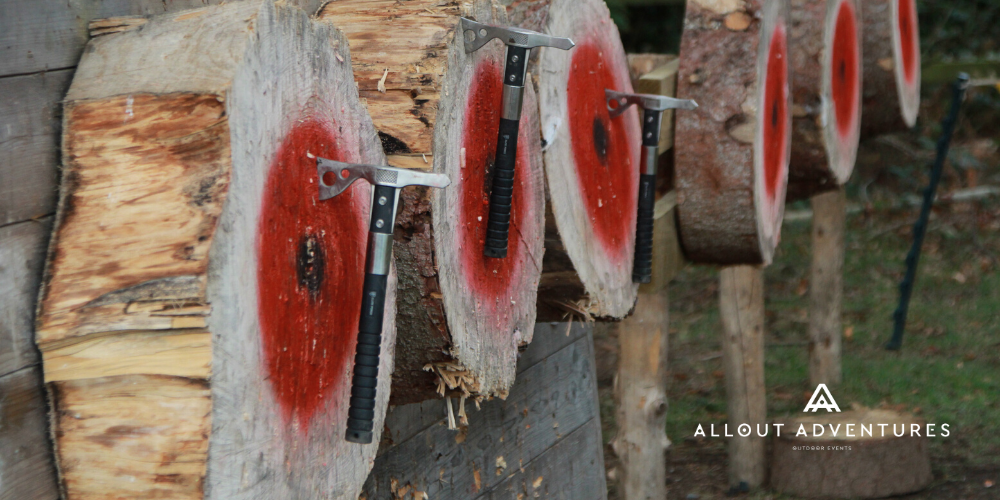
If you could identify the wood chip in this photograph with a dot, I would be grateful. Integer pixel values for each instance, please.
(381, 83)
(738, 21)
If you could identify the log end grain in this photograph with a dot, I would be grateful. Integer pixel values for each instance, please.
(732, 153)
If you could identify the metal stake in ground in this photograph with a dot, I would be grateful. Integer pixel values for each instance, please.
(519, 44)
(920, 227)
(334, 178)
(653, 107)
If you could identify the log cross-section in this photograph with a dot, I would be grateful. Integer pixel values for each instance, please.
(200, 305)
(732, 152)
(435, 106)
(891, 93)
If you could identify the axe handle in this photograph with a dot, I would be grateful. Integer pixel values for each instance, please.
(642, 265)
(364, 383)
(502, 191)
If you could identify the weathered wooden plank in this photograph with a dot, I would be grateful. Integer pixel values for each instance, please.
(39, 35)
(29, 142)
(550, 400)
(27, 471)
(570, 470)
(22, 255)
(405, 421)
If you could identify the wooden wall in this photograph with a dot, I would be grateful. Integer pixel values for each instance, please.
(40, 44)
(543, 441)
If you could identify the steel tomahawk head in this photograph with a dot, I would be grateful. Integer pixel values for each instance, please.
(336, 176)
(477, 34)
(618, 102)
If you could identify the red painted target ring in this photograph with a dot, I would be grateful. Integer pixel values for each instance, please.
(845, 83)
(608, 174)
(310, 266)
(909, 45)
(775, 131)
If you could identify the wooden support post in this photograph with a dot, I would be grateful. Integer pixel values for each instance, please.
(641, 384)
(641, 398)
(741, 305)
(826, 287)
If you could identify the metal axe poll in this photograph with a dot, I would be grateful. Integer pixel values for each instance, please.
(334, 178)
(519, 44)
(653, 107)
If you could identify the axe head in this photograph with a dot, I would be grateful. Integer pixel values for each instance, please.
(477, 34)
(618, 102)
(336, 176)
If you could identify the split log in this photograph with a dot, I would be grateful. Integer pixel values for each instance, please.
(825, 59)
(741, 306)
(826, 287)
(891, 92)
(591, 161)
(434, 104)
(528, 14)
(864, 464)
(200, 306)
(732, 152)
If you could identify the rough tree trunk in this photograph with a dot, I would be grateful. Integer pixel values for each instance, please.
(641, 398)
(741, 305)
(891, 95)
(200, 305)
(826, 287)
(825, 59)
(591, 161)
(864, 464)
(732, 152)
(433, 104)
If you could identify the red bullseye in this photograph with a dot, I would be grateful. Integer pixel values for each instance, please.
(607, 173)
(488, 278)
(844, 85)
(775, 112)
(907, 12)
(309, 276)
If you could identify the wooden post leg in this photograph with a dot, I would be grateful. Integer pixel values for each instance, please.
(641, 396)
(741, 305)
(826, 287)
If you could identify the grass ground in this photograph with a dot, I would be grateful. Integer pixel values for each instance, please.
(948, 370)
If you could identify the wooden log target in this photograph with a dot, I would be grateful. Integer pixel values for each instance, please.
(826, 64)
(435, 106)
(591, 160)
(732, 152)
(891, 94)
(201, 305)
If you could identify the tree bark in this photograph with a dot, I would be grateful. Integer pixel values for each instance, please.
(741, 305)
(891, 95)
(641, 398)
(591, 161)
(825, 59)
(826, 287)
(435, 106)
(732, 152)
(866, 464)
(200, 306)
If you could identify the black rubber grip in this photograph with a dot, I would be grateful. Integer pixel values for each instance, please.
(642, 267)
(361, 415)
(502, 193)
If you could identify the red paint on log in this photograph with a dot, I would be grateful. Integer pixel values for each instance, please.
(488, 278)
(608, 175)
(310, 273)
(845, 87)
(907, 11)
(775, 133)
